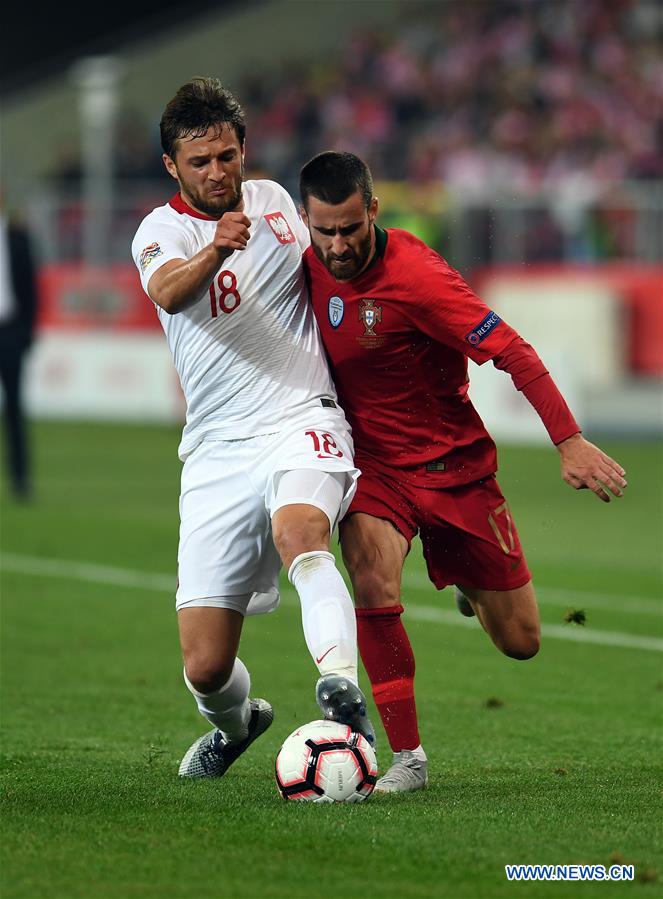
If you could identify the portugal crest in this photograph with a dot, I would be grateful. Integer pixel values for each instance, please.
(370, 315)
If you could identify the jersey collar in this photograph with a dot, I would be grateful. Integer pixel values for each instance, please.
(179, 205)
(379, 249)
(380, 244)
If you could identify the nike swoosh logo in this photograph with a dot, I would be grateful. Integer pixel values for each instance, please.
(317, 661)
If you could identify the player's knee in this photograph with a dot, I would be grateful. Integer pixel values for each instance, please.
(207, 673)
(522, 645)
(306, 532)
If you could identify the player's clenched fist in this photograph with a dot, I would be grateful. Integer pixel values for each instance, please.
(232, 232)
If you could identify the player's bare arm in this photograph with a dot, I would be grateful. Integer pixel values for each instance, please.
(585, 466)
(180, 282)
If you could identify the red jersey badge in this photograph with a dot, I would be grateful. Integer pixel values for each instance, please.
(371, 316)
(277, 222)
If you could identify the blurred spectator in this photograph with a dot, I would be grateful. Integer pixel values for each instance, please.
(509, 95)
(553, 103)
(18, 308)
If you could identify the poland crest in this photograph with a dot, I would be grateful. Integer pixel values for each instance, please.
(280, 227)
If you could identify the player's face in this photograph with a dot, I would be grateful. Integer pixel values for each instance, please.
(342, 236)
(209, 170)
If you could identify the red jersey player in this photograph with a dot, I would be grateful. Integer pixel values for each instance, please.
(398, 324)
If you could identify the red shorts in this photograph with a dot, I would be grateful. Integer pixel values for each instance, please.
(467, 532)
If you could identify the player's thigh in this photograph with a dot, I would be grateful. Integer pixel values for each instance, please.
(304, 509)
(209, 638)
(376, 535)
(310, 480)
(225, 543)
(319, 443)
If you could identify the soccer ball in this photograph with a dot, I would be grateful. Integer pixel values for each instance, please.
(326, 761)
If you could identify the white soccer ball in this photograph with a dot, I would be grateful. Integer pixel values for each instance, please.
(326, 761)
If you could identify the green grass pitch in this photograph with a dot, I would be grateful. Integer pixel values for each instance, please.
(556, 760)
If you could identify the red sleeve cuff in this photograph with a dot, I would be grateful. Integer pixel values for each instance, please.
(532, 379)
(551, 407)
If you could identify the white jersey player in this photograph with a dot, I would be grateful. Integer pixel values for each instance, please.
(267, 452)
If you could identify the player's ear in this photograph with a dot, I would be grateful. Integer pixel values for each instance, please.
(171, 168)
(302, 214)
(373, 210)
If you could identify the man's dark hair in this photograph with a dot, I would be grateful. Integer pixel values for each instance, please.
(200, 104)
(333, 177)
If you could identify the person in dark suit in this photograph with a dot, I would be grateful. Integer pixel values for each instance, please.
(18, 308)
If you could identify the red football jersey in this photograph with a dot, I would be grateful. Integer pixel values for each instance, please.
(398, 337)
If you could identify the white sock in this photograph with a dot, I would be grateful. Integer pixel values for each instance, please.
(328, 615)
(417, 753)
(228, 708)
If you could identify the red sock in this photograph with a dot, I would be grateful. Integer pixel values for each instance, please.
(389, 662)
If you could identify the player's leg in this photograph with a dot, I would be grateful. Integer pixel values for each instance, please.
(209, 638)
(220, 684)
(374, 552)
(11, 361)
(220, 558)
(509, 617)
(302, 532)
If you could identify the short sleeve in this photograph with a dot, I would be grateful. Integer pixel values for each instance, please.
(155, 244)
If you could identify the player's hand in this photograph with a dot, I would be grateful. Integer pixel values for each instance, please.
(585, 466)
(232, 233)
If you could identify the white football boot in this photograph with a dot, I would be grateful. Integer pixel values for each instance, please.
(407, 773)
(342, 700)
(211, 755)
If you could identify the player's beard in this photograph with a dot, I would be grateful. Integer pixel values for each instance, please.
(215, 206)
(350, 264)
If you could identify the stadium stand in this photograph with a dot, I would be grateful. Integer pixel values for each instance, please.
(554, 105)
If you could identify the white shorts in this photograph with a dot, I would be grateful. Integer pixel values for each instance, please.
(228, 497)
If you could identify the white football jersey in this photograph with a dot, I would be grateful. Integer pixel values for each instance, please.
(248, 351)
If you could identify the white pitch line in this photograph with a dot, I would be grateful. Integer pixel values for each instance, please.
(122, 577)
(87, 572)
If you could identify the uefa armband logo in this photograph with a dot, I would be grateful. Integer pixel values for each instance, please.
(483, 329)
(149, 254)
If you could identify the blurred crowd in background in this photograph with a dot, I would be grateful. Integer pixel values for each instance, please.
(560, 101)
(477, 94)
